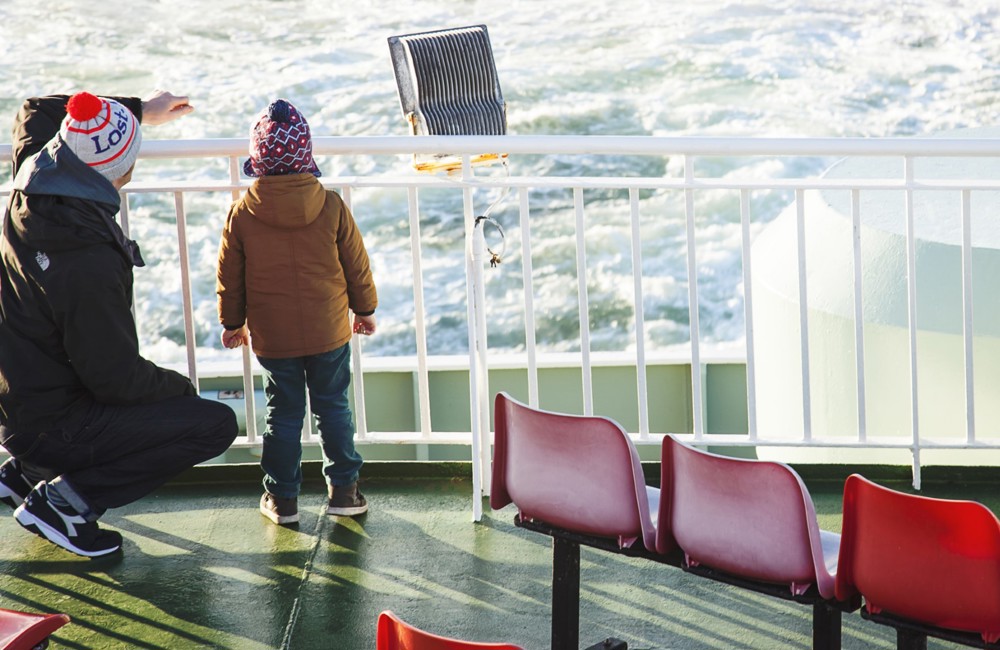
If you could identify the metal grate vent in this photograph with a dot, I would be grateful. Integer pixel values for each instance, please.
(448, 82)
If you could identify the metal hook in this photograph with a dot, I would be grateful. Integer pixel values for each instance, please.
(495, 258)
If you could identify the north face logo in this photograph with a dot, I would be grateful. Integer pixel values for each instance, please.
(42, 259)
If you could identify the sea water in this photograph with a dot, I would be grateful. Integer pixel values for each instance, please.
(630, 67)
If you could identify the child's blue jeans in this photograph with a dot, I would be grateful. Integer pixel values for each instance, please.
(327, 377)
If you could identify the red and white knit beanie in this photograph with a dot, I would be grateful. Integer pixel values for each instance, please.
(102, 133)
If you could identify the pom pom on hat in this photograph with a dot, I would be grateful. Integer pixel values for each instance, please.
(84, 106)
(102, 133)
(280, 143)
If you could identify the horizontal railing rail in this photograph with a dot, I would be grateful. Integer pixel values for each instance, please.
(591, 144)
(685, 182)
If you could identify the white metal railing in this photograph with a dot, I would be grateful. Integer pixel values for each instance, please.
(689, 184)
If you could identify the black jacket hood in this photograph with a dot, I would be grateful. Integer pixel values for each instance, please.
(87, 204)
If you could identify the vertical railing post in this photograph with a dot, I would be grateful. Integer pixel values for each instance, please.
(423, 381)
(800, 222)
(485, 431)
(357, 369)
(125, 229)
(189, 335)
(529, 298)
(751, 369)
(967, 322)
(478, 389)
(249, 394)
(859, 316)
(697, 402)
(581, 275)
(640, 326)
(911, 310)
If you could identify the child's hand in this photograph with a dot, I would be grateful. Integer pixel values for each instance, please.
(364, 324)
(235, 338)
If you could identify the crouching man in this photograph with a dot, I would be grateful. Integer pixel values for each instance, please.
(89, 423)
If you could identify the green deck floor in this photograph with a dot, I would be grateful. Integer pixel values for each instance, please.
(202, 568)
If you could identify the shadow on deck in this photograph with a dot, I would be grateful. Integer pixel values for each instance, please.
(202, 568)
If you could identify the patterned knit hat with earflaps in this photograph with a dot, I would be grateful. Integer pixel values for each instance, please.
(102, 133)
(280, 143)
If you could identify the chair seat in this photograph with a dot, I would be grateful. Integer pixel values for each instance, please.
(396, 634)
(24, 631)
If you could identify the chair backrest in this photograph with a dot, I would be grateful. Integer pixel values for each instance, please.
(750, 518)
(24, 631)
(936, 561)
(395, 634)
(447, 82)
(580, 473)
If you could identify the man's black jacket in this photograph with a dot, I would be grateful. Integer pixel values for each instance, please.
(67, 334)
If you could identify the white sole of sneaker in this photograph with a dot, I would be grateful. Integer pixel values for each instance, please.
(347, 512)
(280, 520)
(40, 528)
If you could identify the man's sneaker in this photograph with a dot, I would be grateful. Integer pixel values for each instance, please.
(13, 486)
(64, 527)
(346, 500)
(279, 510)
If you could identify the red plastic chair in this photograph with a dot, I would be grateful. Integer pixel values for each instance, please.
(928, 561)
(749, 518)
(24, 631)
(395, 634)
(579, 480)
(579, 473)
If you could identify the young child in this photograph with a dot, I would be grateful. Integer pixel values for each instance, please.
(291, 265)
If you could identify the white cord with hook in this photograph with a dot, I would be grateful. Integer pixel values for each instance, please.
(495, 258)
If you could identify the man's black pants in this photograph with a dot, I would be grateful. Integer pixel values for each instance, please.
(118, 454)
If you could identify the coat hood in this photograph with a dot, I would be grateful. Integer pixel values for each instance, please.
(56, 170)
(289, 201)
(85, 219)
